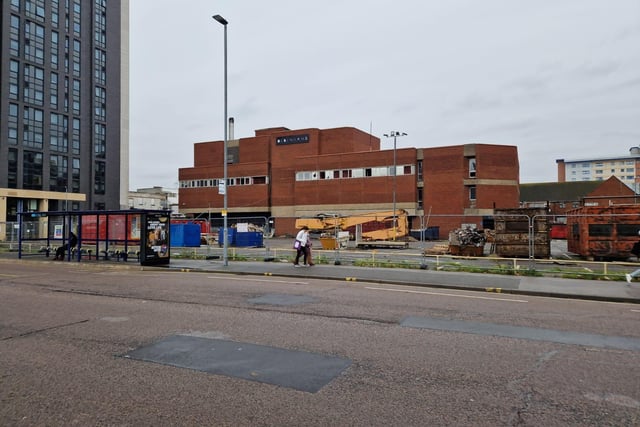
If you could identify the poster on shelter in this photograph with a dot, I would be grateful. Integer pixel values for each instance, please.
(57, 231)
(156, 239)
(134, 233)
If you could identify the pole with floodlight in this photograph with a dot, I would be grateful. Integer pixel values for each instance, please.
(394, 134)
(225, 233)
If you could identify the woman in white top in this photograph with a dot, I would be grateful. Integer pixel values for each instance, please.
(302, 238)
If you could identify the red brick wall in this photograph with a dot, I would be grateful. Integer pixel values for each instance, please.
(445, 171)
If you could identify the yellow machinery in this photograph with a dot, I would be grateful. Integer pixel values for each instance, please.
(368, 227)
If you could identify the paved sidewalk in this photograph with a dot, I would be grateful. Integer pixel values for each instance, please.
(615, 291)
(598, 290)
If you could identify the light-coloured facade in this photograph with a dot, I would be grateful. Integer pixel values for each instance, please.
(625, 168)
(153, 198)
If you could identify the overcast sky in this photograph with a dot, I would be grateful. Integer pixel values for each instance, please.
(556, 78)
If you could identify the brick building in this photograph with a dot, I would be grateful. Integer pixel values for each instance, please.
(287, 174)
(561, 197)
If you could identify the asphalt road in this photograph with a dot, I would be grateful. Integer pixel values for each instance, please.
(414, 356)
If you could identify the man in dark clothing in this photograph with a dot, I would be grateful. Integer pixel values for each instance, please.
(73, 241)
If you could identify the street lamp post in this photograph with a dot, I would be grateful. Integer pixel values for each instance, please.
(225, 233)
(394, 134)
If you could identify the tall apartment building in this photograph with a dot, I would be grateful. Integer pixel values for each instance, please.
(63, 105)
(625, 168)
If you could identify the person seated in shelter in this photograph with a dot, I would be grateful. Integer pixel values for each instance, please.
(73, 241)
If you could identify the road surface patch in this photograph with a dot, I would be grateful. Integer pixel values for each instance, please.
(535, 334)
(298, 370)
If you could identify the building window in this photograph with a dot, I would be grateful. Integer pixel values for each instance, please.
(54, 50)
(54, 13)
(100, 67)
(75, 136)
(260, 180)
(58, 172)
(12, 168)
(76, 58)
(472, 192)
(100, 24)
(100, 103)
(76, 18)
(13, 124)
(76, 97)
(100, 140)
(53, 91)
(32, 170)
(75, 175)
(33, 89)
(100, 178)
(33, 127)
(57, 133)
(472, 167)
(14, 79)
(35, 9)
(34, 42)
(14, 36)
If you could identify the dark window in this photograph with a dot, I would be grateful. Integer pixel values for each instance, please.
(627, 230)
(32, 170)
(100, 178)
(600, 230)
(516, 226)
(259, 179)
(12, 166)
(58, 172)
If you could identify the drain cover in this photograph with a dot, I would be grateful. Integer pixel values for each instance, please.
(287, 368)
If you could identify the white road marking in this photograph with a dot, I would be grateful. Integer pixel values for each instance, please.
(636, 311)
(251, 279)
(447, 295)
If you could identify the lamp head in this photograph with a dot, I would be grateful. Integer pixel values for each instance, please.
(220, 19)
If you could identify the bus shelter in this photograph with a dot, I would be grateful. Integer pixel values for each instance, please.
(122, 235)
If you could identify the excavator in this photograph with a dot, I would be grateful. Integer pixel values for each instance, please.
(368, 229)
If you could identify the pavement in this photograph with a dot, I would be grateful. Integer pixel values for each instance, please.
(596, 290)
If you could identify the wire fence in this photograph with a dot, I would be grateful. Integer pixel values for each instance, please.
(513, 243)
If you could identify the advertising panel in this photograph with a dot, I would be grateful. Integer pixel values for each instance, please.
(156, 239)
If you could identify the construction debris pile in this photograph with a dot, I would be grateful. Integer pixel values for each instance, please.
(466, 242)
(467, 237)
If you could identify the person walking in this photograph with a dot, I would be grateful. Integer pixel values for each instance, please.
(300, 245)
(635, 250)
(308, 250)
